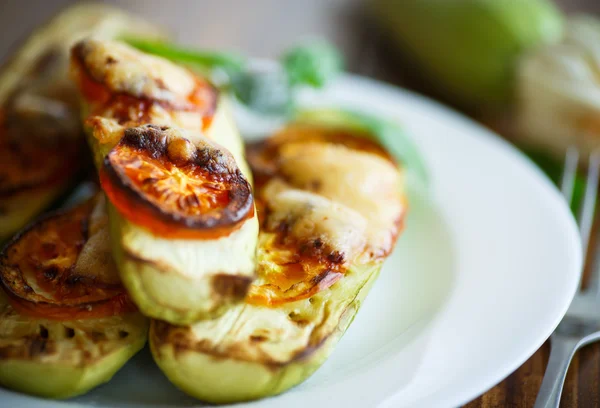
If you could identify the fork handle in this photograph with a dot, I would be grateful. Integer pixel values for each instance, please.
(562, 349)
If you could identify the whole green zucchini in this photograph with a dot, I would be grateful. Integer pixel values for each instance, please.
(469, 48)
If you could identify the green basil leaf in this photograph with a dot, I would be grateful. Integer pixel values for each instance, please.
(312, 64)
(267, 93)
(229, 62)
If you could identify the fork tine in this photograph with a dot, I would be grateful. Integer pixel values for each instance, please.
(594, 283)
(588, 207)
(567, 182)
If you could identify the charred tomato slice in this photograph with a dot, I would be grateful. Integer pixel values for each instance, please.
(36, 150)
(46, 274)
(160, 180)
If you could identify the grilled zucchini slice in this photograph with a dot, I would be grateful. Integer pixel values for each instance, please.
(40, 135)
(183, 222)
(331, 205)
(66, 322)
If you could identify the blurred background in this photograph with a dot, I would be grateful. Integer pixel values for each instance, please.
(529, 69)
(262, 28)
(369, 33)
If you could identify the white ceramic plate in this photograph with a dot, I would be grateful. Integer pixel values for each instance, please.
(482, 275)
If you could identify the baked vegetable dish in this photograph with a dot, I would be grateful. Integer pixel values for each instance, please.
(243, 265)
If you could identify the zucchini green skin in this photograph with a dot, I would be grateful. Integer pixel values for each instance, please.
(479, 72)
(58, 366)
(222, 380)
(157, 288)
(60, 381)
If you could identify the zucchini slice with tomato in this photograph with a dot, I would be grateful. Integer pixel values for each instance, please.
(66, 322)
(331, 203)
(41, 143)
(171, 162)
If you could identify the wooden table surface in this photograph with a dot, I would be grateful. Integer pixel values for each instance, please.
(249, 26)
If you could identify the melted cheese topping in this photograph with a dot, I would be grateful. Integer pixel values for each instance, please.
(56, 38)
(123, 69)
(357, 184)
(330, 204)
(152, 77)
(318, 199)
(310, 217)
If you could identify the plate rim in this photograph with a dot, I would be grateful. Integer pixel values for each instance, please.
(477, 388)
(567, 218)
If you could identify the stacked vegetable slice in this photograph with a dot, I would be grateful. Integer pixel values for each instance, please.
(183, 223)
(331, 202)
(66, 322)
(238, 314)
(40, 143)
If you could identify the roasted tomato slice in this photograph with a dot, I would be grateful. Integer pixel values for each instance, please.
(35, 150)
(158, 179)
(61, 268)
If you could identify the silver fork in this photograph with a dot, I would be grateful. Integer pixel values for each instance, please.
(581, 324)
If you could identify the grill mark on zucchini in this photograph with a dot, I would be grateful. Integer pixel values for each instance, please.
(29, 347)
(178, 337)
(235, 286)
(51, 339)
(227, 284)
